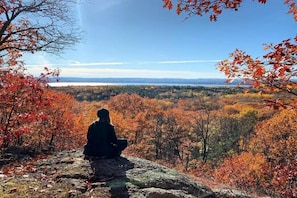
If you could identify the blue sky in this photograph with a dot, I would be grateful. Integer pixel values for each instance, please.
(139, 38)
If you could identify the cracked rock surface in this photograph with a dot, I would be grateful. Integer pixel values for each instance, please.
(68, 174)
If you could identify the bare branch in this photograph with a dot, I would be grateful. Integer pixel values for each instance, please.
(37, 25)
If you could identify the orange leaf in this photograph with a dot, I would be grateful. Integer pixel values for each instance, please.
(256, 84)
(178, 9)
(259, 71)
(167, 4)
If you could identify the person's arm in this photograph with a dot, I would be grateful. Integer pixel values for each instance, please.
(113, 136)
(88, 146)
(90, 132)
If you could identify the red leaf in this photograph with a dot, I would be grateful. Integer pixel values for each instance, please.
(167, 4)
(259, 71)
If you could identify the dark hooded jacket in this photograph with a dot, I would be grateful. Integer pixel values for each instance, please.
(101, 140)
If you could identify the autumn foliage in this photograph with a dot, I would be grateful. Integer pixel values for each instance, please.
(31, 26)
(215, 8)
(245, 170)
(233, 138)
(32, 115)
(284, 179)
(231, 141)
(242, 144)
(275, 71)
(266, 161)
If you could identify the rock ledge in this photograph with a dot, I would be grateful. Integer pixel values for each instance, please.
(68, 174)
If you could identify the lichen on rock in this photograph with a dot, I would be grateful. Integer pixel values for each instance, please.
(68, 174)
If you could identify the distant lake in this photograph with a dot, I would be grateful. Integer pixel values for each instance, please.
(207, 82)
(65, 84)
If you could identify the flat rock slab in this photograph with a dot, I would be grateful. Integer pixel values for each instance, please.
(69, 174)
(119, 177)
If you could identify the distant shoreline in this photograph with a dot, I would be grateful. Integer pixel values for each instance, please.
(67, 84)
(205, 82)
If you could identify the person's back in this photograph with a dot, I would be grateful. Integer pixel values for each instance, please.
(101, 137)
(102, 140)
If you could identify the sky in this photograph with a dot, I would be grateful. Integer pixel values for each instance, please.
(141, 39)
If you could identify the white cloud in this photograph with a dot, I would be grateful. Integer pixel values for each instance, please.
(134, 73)
(177, 62)
(39, 59)
(188, 61)
(96, 63)
(67, 63)
(74, 68)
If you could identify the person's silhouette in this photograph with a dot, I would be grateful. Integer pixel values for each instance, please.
(102, 140)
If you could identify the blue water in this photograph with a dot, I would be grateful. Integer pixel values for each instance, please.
(206, 82)
(65, 84)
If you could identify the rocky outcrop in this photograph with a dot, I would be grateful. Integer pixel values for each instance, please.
(68, 174)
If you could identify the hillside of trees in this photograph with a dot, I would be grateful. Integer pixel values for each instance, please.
(222, 134)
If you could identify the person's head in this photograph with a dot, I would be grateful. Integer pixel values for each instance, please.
(103, 115)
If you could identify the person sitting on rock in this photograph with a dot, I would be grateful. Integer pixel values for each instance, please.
(102, 140)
